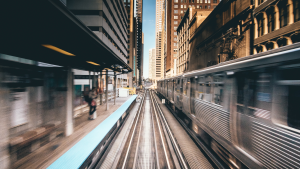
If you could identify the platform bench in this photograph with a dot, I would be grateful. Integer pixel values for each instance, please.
(30, 141)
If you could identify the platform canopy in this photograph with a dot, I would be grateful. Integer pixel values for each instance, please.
(46, 31)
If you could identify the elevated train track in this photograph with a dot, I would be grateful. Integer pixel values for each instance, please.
(155, 139)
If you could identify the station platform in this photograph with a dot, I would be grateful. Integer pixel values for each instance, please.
(49, 153)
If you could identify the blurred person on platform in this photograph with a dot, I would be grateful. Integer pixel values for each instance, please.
(93, 104)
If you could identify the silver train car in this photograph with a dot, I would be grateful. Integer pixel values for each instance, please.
(246, 110)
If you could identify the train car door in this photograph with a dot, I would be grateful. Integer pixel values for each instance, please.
(193, 94)
(166, 88)
(173, 90)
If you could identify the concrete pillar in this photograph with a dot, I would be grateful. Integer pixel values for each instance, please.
(115, 88)
(289, 40)
(130, 76)
(264, 48)
(69, 113)
(122, 81)
(277, 19)
(101, 93)
(291, 12)
(255, 28)
(265, 23)
(106, 92)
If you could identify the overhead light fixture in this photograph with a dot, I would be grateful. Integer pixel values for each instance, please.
(58, 50)
(93, 63)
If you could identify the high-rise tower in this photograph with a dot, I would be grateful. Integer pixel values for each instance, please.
(152, 60)
(132, 42)
(140, 50)
(159, 40)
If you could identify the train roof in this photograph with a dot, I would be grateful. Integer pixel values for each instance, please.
(248, 61)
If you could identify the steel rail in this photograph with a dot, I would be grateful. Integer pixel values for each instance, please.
(182, 160)
(139, 112)
(160, 133)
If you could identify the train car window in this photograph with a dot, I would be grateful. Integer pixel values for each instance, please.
(178, 85)
(218, 88)
(289, 80)
(240, 94)
(194, 93)
(185, 86)
(170, 86)
(254, 93)
(201, 87)
(208, 89)
(181, 86)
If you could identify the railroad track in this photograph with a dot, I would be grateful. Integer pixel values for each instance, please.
(148, 145)
(156, 140)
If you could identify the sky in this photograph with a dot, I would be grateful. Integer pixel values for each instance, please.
(149, 31)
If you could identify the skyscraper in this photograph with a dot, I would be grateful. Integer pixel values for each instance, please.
(152, 59)
(159, 39)
(139, 18)
(132, 41)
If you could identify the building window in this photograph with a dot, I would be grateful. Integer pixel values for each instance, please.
(270, 46)
(295, 38)
(175, 33)
(176, 1)
(205, 1)
(260, 1)
(282, 42)
(198, 6)
(175, 28)
(215, 1)
(181, 11)
(208, 1)
(197, 1)
(201, 1)
(296, 10)
(260, 28)
(175, 22)
(184, 6)
(284, 13)
(175, 39)
(176, 11)
(271, 20)
(208, 6)
(175, 17)
(181, 6)
(175, 6)
(215, 6)
(175, 44)
(259, 49)
(205, 7)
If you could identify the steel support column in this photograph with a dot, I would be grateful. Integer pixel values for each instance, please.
(115, 88)
(69, 113)
(94, 79)
(106, 92)
(101, 92)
